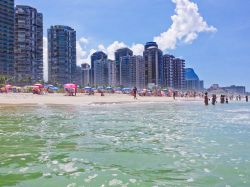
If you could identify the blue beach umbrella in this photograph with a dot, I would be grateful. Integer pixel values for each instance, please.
(87, 88)
(54, 88)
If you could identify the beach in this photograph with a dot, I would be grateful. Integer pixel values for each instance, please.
(82, 99)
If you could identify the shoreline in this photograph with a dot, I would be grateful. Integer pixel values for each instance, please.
(29, 99)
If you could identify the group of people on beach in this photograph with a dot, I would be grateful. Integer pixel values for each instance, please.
(223, 99)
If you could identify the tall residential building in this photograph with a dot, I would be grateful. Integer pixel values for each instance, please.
(7, 37)
(178, 74)
(153, 64)
(126, 71)
(85, 74)
(192, 81)
(168, 65)
(62, 54)
(97, 56)
(123, 52)
(112, 73)
(28, 48)
(139, 71)
(101, 72)
(132, 72)
(173, 70)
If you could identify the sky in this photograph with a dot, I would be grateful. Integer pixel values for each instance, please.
(213, 36)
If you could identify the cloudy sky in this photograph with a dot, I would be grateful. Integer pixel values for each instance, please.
(213, 36)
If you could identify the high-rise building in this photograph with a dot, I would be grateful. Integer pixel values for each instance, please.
(126, 71)
(192, 81)
(78, 75)
(178, 73)
(123, 52)
(97, 56)
(139, 71)
(153, 64)
(112, 73)
(85, 74)
(132, 72)
(173, 70)
(168, 65)
(7, 37)
(61, 54)
(101, 72)
(28, 47)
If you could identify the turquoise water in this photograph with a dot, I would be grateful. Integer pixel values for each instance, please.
(151, 144)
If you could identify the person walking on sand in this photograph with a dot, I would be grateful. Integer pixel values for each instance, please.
(206, 99)
(135, 93)
(247, 98)
(174, 94)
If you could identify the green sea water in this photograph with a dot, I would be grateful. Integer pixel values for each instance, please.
(151, 144)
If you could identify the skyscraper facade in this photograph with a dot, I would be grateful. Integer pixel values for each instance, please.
(178, 73)
(97, 56)
(173, 70)
(28, 48)
(123, 52)
(112, 73)
(132, 72)
(7, 37)
(153, 64)
(61, 54)
(192, 81)
(139, 77)
(168, 65)
(126, 71)
(85, 74)
(101, 72)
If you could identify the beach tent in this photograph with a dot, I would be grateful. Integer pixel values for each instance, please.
(70, 88)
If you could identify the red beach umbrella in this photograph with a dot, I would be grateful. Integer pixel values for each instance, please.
(38, 85)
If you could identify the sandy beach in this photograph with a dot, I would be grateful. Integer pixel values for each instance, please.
(80, 99)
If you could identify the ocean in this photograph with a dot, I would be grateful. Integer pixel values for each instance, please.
(146, 144)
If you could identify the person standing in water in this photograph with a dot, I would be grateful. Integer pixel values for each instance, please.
(174, 94)
(135, 92)
(222, 99)
(247, 98)
(206, 99)
(214, 99)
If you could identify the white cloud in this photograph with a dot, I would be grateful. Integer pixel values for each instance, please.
(113, 47)
(81, 53)
(187, 23)
(45, 58)
(83, 40)
(137, 49)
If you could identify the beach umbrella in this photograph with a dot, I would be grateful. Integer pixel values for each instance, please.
(87, 88)
(70, 85)
(39, 85)
(48, 86)
(54, 88)
(8, 86)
